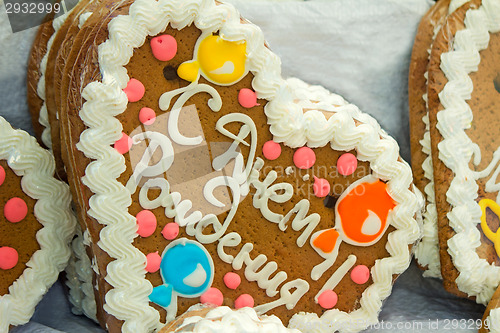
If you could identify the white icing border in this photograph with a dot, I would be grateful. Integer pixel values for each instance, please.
(288, 124)
(477, 277)
(223, 319)
(36, 166)
(427, 251)
(43, 117)
(79, 272)
(79, 279)
(493, 320)
(316, 97)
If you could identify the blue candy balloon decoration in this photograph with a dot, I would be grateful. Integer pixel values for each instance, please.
(187, 270)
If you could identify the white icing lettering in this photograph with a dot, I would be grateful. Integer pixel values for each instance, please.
(338, 275)
(182, 207)
(163, 199)
(232, 239)
(248, 128)
(318, 270)
(491, 185)
(280, 193)
(142, 168)
(287, 298)
(300, 221)
(330, 258)
(173, 130)
(215, 103)
(263, 276)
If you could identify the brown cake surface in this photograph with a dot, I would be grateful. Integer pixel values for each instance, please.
(21, 235)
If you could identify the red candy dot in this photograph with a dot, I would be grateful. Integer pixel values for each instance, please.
(347, 164)
(328, 299)
(124, 144)
(8, 258)
(321, 187)
(271, 150)
(212, 296)
(15, 210)
(232, 280)
(135, 90)
(170, 231)
(304, 158)
(146, 222)
(164, 47)
(360, 274)
(247, 98)
(244, 300)
(2, 175)
(153, 261)
(147, 116)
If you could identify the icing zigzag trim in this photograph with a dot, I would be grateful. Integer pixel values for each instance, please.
(52, 209)
(427, 251)
(109, 205)
(79, 279)
(457, 149)
(44, 115)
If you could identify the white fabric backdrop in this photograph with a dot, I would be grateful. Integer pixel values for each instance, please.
(357, 48)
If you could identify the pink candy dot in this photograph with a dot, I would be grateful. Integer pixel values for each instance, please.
(15, 210)
(244, 300)
(124, 144)
(153, 261)
(321, 187)
(304, 158)
(170, 231)
(146, 222)
(135, 90)
(212, 296)
(2, 175)
(147, 116)
(347, 164)
(360, 274)
(328, 299)
(164, 47)
(247, 98)
(232, 280)
(271, 150)
(8, 258)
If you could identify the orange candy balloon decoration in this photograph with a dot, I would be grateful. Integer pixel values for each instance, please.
(361, 217)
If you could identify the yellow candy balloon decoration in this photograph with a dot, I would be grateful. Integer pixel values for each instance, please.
(492, 236)
(219, 61)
